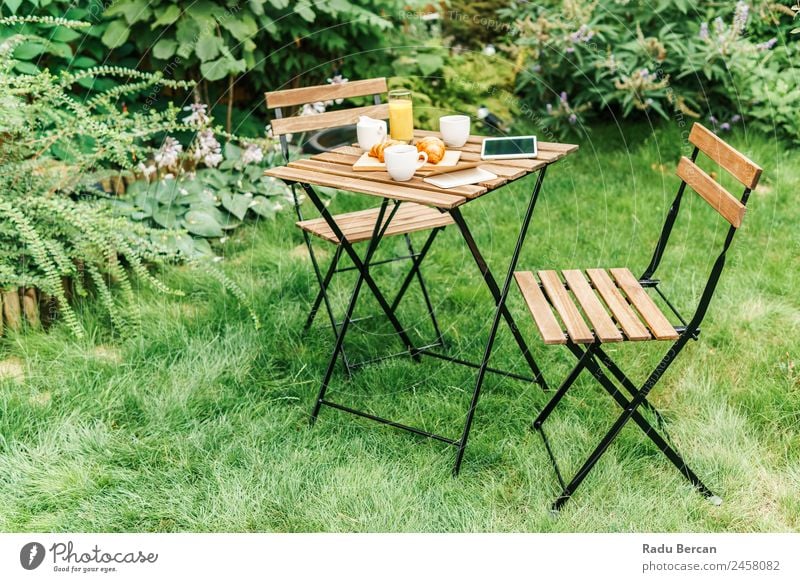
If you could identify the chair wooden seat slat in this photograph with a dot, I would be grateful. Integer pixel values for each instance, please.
(540, 310)
(631, 324)
(359, 226)
(604, 326)
(577, 329)
(659, 325)
(626, 317)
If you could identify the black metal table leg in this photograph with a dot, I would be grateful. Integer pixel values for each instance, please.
(500, 311)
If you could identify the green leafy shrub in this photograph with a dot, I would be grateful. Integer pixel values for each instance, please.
(658, 59)
(236, 50)
(54, 149)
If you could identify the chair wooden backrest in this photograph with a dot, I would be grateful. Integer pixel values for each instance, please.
(726, 157)
(728, 206)
(293, 97)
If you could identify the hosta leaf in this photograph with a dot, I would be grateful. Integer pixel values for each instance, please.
(264, 206)
(232, 151)
(164, 48)
(116, 34)
(166, 216)
(236, 204)
(202, 223)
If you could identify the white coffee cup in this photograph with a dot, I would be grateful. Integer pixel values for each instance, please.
(403, 160)
(370, 131)
(454, 130)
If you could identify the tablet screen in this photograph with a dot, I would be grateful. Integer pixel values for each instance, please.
(509, 146)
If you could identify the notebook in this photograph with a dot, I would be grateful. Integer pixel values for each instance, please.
(460, 178)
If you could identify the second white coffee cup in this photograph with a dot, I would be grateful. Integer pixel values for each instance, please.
(403, 160)
(454, 130)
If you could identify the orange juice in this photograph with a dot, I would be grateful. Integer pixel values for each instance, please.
(401, 119)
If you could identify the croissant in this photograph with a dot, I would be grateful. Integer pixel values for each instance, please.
(377, 150)
(434, 147)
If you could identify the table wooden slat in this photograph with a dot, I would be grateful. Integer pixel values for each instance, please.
(392, 191)
(470, 191)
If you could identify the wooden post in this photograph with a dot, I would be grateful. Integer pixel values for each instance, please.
(30, 307)
(11, 309)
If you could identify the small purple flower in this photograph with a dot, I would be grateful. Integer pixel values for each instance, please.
(573, 118)
(703, 34)
(563, 97)
(725, 126)
(198, 115)
(570, 49)
(736, 118)
(740, 16)
(712, 120)
(768, 45)
(719, 26)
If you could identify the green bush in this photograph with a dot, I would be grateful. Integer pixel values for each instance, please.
(665, 59)
(54, 150)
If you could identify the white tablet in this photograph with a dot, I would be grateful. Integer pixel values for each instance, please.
(509, 148)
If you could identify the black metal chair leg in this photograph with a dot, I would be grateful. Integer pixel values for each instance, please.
(562, 390)
(415, 271)
(362, 275)
(629, 411)
(362, 269)
(425, 296)
(629, 386)
(649, 431)
(323, 289)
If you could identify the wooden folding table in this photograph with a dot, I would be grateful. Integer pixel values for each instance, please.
(334, 169)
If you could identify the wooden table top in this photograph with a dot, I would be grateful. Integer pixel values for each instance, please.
(335, 169)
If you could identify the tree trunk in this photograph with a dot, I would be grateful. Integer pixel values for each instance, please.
(11, 309)
(229, 119)
(30, 307)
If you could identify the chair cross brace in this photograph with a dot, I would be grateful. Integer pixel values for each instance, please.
(588, 359)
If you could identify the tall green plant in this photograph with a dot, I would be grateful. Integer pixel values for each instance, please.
(54, 149)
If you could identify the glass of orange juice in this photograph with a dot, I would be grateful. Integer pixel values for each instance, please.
(401, 115)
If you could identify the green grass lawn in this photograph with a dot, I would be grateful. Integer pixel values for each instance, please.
(200, 423)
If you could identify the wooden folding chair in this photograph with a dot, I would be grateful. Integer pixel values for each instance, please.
(614, 306)
(355, 226)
